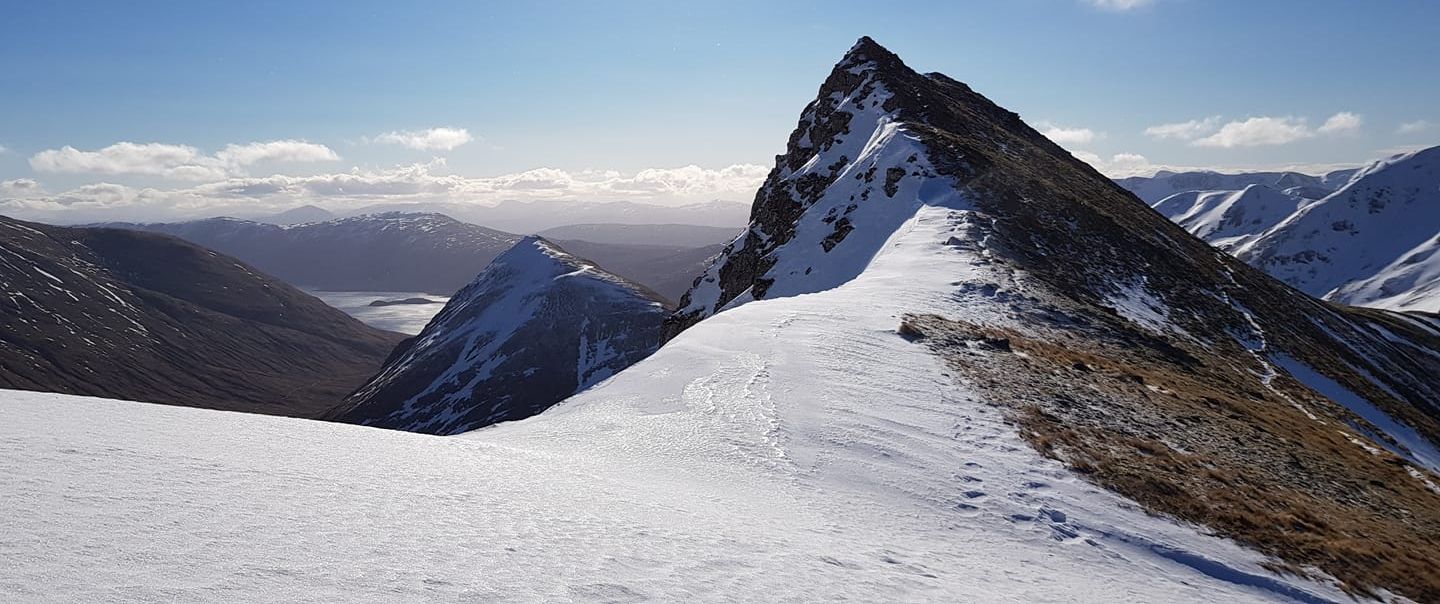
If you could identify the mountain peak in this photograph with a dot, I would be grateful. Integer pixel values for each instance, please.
(867, 50)
(535, 326)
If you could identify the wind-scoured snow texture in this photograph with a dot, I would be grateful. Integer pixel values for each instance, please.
(535, 326)
(1371, 243)
(1229, 218)
(793, 449)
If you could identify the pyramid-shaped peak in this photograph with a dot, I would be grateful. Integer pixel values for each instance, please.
(867, 50)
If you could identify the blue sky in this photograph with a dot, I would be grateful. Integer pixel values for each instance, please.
(593, 90)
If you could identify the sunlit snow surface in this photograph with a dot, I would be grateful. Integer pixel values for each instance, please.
(793, 449)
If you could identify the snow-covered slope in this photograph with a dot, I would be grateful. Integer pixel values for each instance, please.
(788, 450)
(1229, 218)
(1371, 243)
(1096, 320)
(534, 327)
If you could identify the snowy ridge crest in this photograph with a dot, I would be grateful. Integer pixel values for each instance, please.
(852, 174)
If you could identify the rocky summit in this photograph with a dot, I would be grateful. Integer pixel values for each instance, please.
(1120, 344)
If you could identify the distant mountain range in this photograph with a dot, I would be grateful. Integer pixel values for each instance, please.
(148, 317)
(1371, 242)
(396, 251)
(535, 216)
(376, 252)
(534, 327)
(1152, 189)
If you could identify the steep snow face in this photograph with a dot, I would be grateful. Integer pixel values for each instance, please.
(1371, 242)
(852, 175)
(536, 325)
(788, 449)
(1229, 218)
(1411, 282)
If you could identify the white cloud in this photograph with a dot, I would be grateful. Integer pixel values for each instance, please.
(1119, 5)
(1260, 131)
(20, 187)
(1068, 136)
(1341, 123)
(1119, 165)
(1257, 131)
(1414, 127)
(401, 184)
(181, 162)
(3, 149)
(434, 139)
(281, 151)
(1190, 130)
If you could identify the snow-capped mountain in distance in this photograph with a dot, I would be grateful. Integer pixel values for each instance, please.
(1152, 189)
(537, 325)
(1371, 243)
(536, 216)
(1229, 218)
(116, 313)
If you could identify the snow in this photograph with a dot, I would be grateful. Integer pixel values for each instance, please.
(788, 449)
(1134, 302)
(873, 145)
(1411, 282)
(1413, 446)
(1370, 243)
(1152, 189)
(1229, 218)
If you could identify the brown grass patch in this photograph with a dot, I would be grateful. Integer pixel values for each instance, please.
(1207, 443)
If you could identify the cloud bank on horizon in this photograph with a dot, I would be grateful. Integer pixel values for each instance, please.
(415, 183)
(671, 119)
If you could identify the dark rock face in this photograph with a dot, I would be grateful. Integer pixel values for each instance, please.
(536, 326)
(146, 317)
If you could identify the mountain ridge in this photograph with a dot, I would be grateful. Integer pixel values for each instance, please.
(150, 317)
(535, 326)
(1085, 279)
